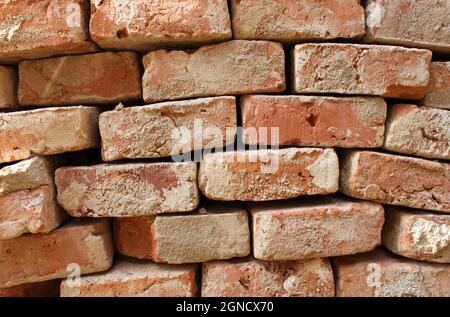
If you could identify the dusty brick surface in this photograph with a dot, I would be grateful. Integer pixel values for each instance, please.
(386, 71)
(256, 278)
(127, 189)
(162, 129)
(417, 234)
(146, 25)
(39, 289)
(314, 121)
(47, 131)
(396, 180)
(8, 87)
(438, 93)
(35, 258)
(222, 69)
(260, 175)
(419, 131)
(99, 78)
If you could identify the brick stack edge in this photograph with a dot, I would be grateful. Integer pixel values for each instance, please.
(358, 203)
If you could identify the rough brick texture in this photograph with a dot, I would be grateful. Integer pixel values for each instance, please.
(8, 87)
(438, 93)
(39, 289)
(386, 71)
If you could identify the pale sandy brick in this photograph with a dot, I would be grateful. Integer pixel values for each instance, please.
(314, 121)
(38, 29)
(127, 189)
(259, 175)
(35, 258)
(382, 274)
(254, 278)
(396, 180)
(39, 289)
(146, 25)
(47, 131)
(99, 78)
(386, 71)
(135, 278)
(417, 234)
(314, 228)
(418, 131)
(8, 87)
(409, 23)
(438, 93)
(168, 128)
(228, 68)
(293, 20)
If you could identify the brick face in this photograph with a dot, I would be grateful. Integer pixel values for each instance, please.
(8, 87)
(438, 93)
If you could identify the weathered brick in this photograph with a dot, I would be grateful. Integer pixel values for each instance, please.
(130, 277)
(418, 131)
(146, 25)
(409, 23)
(396, 180)
(293, 20)
(438, 93)
(38, 29)
(41, 257)
(314, 121)
(314, 228)
(386, 71)
(47, 131)
(99, 78)
(8, 87)
(417, 234)
(127, 189)
(168, 128)
(268, 174)
(222, 69)
(39, 289)
(254, 278)
(382, 274)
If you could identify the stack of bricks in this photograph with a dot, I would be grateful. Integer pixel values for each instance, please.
(323, 129)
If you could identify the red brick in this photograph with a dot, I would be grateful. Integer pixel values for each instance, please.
(84, 79)
(438, 93)
(39, 289)
(8, 87)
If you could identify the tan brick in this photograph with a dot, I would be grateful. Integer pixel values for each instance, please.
(386, 71)
(417, 234)
(418, 131)
(130, 277)
(396, 180)
(146, 25)
(293, 20)
(8, 87)
(38, 29)
(382, 274)
(47, 131)
(35, 258)
(39, 289)
(314, 228)
(254, 278)
(438, 93)
(84, 79)
(268, 174)
(314, 121)
(127, 189)
(160, 130)
(409, 23)
(223, 69)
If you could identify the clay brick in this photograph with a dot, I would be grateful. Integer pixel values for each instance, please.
(130, 277)
(314, 121)
(190, 238)
(418, 131)
(84, 79)
(146, 25)
(268, 174)
(386, 71)
(39, 289)
(417, 234)
(396, 180)
(38, 29)
(8, 87)
(314, 228)
(382, 274)
(254, 278)
(47, 131)
(438, 93)
(222, 69)
(127, 189)
(293, 20)
(409, 23)
(160, 130)
(35, 258)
